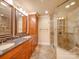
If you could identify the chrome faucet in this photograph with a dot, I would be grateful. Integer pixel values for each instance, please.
(2, 41)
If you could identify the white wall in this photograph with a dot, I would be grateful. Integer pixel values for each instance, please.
(44, 30)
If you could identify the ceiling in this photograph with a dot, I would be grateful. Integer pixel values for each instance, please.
(39, 6)
(62, 11)
(71, 8)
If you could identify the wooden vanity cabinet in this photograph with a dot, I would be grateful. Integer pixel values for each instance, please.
(23, 51)
(32, 24)
(13, 54)
(19, 54)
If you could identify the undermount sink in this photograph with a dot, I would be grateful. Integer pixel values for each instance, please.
(27, 37)
(6, 45)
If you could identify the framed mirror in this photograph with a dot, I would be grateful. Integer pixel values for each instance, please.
(5, 18)
(19, 23)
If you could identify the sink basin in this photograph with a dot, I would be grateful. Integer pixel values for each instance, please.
(26, 37)
(6, 45)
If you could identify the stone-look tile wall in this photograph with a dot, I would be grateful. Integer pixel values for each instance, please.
(73, 27)
(5, 25)
(51, 32)
(5, 28)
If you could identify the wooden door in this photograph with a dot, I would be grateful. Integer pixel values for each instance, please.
(44, 30)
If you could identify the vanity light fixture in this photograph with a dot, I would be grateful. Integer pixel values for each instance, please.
(3, 4)
(1, 14)
(60, 18)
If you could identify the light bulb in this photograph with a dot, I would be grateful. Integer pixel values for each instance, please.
(67, 6)
(72, 3)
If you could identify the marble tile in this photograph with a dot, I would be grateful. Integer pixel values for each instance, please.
(44, 52)
(64, 54)
(75, 51)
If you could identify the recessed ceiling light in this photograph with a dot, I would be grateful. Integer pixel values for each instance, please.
(72, 3)
(3, 4)
(67, 6)
(46, 12)
(1, 14)
(62, 17)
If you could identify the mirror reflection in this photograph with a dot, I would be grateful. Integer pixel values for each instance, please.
(5, 18)
(19, 21)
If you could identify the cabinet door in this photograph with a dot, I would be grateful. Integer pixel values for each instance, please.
(28, 49)
(32, 24)
(17, 56)
(24, 24)
(20, 54)
(34, 42)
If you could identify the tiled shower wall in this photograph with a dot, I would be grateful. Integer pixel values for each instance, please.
(52, 31)
(5, 28)
(73, 26)
(5, 25)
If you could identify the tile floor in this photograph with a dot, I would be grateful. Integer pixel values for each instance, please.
(64, 54)
(48, 52)
(44, 52)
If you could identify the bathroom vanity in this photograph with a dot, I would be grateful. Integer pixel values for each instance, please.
(21, 48)
(18, 33)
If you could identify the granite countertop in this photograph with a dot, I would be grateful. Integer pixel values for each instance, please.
(10, 44)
